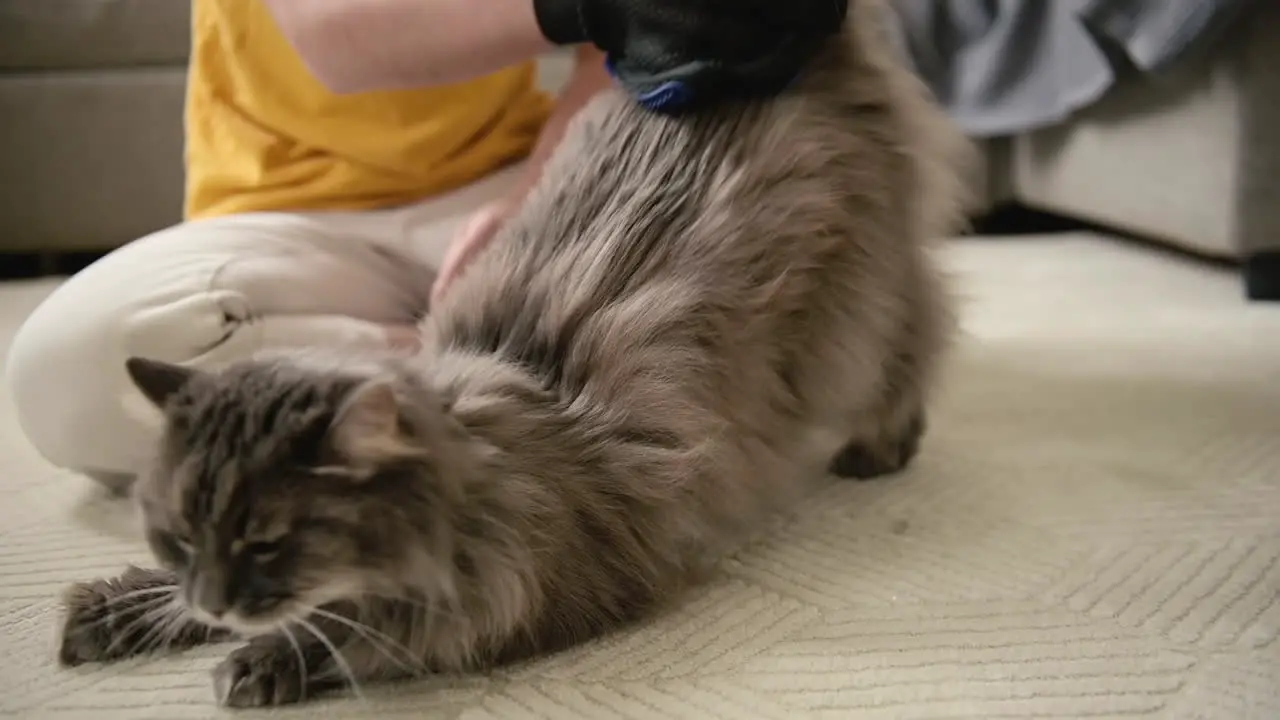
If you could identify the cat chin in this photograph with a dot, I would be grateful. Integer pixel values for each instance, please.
(291, 612)
(247, 627)
(253, 628)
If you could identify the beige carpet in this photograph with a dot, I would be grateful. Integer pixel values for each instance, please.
(1093, 530)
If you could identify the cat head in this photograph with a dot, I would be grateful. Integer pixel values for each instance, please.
(280, 486)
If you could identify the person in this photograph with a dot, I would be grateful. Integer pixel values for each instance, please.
(341, 152)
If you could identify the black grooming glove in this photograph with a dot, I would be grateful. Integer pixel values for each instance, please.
(671, 55)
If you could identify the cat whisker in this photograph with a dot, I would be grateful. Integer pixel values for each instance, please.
(303, 673)
(170, 623)
(155, 613)
(169, 627)
(157, 620)
(402, 599)
(118, 614)
(339, 661)
(142, 592)
(210, 632)
(379, 640)
(425, 605)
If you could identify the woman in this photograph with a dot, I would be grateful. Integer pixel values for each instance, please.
(333, 149)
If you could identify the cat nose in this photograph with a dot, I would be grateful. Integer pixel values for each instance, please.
(210, 596)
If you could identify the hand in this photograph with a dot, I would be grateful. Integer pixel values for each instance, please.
(470, 239)
(588, 79)
(671, 55)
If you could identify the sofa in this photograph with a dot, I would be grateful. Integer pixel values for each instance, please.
(1190, 159)
(91, 95)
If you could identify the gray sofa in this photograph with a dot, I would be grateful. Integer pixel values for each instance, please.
(1192, 160)
(91, 98)
(91, 95)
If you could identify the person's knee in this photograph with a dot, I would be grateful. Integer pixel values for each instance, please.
(205, 294)
(65, 369)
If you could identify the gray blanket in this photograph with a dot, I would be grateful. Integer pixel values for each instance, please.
(1002, 67)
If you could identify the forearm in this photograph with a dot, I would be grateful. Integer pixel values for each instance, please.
(588, 79)
(364, 45)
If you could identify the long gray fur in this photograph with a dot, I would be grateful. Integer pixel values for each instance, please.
(687, 322)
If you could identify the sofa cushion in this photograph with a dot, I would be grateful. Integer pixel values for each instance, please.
(91, 160)
(80, 34)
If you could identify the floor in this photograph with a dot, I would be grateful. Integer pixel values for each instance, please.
(1092, 530)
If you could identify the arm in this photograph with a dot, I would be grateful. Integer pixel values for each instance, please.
(668, 54)
(589, 78)
(359, 45)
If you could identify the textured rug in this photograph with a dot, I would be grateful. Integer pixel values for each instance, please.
(1092, 530)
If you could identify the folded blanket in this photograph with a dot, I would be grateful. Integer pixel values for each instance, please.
(1002, 67)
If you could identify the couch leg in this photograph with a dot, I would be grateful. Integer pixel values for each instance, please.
(1262, 276)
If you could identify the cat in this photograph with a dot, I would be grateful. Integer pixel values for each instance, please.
(687, 322)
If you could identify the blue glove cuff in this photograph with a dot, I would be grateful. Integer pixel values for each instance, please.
(668, 96)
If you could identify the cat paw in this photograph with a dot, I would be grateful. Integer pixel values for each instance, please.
(88, 631)
(259, 675)
(867, 461)
(112, 619)
(128, 615)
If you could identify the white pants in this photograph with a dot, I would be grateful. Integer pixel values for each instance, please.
(208, 292)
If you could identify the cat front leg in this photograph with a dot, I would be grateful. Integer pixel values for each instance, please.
(277, 669)
(884, 453)
(135, 613)
(891, 428)
(329, 650)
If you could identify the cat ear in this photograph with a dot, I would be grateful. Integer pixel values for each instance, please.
(157, 380)
(366, 430)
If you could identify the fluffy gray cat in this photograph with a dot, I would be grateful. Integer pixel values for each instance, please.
(688, 321)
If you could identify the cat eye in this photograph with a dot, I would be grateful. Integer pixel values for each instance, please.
(262, 551)
(171, 549)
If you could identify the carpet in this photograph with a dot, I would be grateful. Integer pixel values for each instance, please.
(1092, 530)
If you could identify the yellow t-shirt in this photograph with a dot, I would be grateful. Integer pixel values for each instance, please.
(263, 134)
